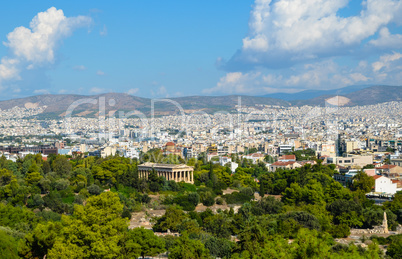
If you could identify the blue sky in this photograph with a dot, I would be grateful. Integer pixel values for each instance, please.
(179, 48)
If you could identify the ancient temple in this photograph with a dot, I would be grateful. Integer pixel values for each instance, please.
(177, 173)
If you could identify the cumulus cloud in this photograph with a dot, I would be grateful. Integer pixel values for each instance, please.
(311, 44)
(285, 32)
(323, 75)
(160, 92)
(235, 82)
(41, 91)
(385, 61)
(387, 40)
(35, 46)
(133, 91)
(97, 90)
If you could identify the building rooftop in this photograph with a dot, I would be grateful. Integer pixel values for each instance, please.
(165, 166)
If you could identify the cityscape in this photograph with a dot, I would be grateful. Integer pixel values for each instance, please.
(289, 148)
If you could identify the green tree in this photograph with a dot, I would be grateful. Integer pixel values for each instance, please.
(309, 245)
(172, 218)
(8, 246)
(361, 181)
(219, 247)
(149, 244)
(218, 225)
(62, 166)
(33, 178)
(186, 248)
(41, 239)
(94, 231)
(395, 248)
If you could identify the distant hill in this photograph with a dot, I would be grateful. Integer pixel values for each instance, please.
(366, 96)
(58, 104)
(311, 94)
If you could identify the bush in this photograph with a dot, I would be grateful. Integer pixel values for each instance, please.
(237, 198)
(187, 187)
(61, 184)
(126, 214)
(304, 218)
(79, 199)
(94, 189)
(340, 231)
(209, 200)
(219, 201)
(379, 240)
(247, 191)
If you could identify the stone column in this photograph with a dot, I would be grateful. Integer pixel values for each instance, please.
(385, 223)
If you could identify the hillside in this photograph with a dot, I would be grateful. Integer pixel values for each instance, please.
(57, 105)
(311, 94)
(366, 96)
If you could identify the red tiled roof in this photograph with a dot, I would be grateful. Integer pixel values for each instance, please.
(279, 163)
(386, 167)
(287, 157)
(377, 176)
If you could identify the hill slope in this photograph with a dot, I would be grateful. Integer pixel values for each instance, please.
(311, 94)
(57, 105)
(366, 96)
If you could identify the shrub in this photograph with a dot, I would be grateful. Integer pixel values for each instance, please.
(340, 231)
(94, 189)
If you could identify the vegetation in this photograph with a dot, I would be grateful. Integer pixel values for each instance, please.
(80, 207)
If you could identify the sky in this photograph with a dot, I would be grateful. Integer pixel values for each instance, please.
(162, 49)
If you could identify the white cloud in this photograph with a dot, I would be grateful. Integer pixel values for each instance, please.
(103, 32)
(9, 69)
(162, 91)
(385, 61)
(285, 32)
(387, 40)
(41, 91)
(80, 67)
(358, 77)
(100, 73)
(35, 46)
(235, 82)
(97, 90)
(322, 75)
(133, 91)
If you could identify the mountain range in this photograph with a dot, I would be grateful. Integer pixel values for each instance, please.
(58, 104)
